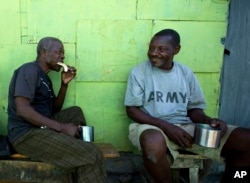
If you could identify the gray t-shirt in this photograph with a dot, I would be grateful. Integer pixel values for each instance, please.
(164, 94)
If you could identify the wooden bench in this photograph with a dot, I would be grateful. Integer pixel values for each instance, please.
(194, 163)
(21, 169)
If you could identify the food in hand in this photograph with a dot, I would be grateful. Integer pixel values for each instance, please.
(65, 67)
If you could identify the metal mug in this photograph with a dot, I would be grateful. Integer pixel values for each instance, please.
(87, 133)
(207, 136)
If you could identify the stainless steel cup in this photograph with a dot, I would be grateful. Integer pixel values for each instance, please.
(87, 133)
(207, 136)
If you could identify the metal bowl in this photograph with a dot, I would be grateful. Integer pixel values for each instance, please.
(207, 136)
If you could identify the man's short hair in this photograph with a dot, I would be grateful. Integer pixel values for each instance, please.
(170, 32)
(46, 43)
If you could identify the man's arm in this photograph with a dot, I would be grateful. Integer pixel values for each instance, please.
(174, 133)
(141, 117)
(66, 78)
(199, 116)
(27, 112)
(58, 103)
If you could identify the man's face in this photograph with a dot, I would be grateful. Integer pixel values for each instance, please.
(54, 55)
(161, 52)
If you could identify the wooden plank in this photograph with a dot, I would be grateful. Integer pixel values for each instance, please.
(108, 150)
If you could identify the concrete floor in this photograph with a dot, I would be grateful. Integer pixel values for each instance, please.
(215, 174)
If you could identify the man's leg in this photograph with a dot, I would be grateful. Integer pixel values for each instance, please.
(236, 151)
(70, 115)
(93, 173)
(65, 152)
(154, 150)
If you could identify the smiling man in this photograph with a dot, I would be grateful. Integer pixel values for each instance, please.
(37, 125)
(163, 99)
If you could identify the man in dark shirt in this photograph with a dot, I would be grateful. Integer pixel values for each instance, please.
(38, 128)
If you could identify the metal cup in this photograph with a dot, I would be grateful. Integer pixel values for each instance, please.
(87, 133)
(207, 136)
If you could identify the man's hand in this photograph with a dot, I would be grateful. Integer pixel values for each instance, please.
(178, 135)
(174, 133)
(214, 122)
(198, 116)
(69, 75)
(70, 129)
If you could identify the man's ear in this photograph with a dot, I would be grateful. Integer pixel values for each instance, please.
(43, 52)
(177, 49)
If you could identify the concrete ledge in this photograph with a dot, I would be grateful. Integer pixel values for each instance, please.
(28, 171)
(20, 168)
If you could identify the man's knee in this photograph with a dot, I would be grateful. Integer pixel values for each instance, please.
(77, 109)
(153, 145)
(152, 137)
(78, 113)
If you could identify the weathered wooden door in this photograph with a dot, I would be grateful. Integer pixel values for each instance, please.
(235, 77)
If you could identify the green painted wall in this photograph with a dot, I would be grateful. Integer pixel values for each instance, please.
(104, 40)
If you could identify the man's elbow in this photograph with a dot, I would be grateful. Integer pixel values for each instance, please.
(23, 111)
(20, 113)
(23, 107)
(131, 111)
